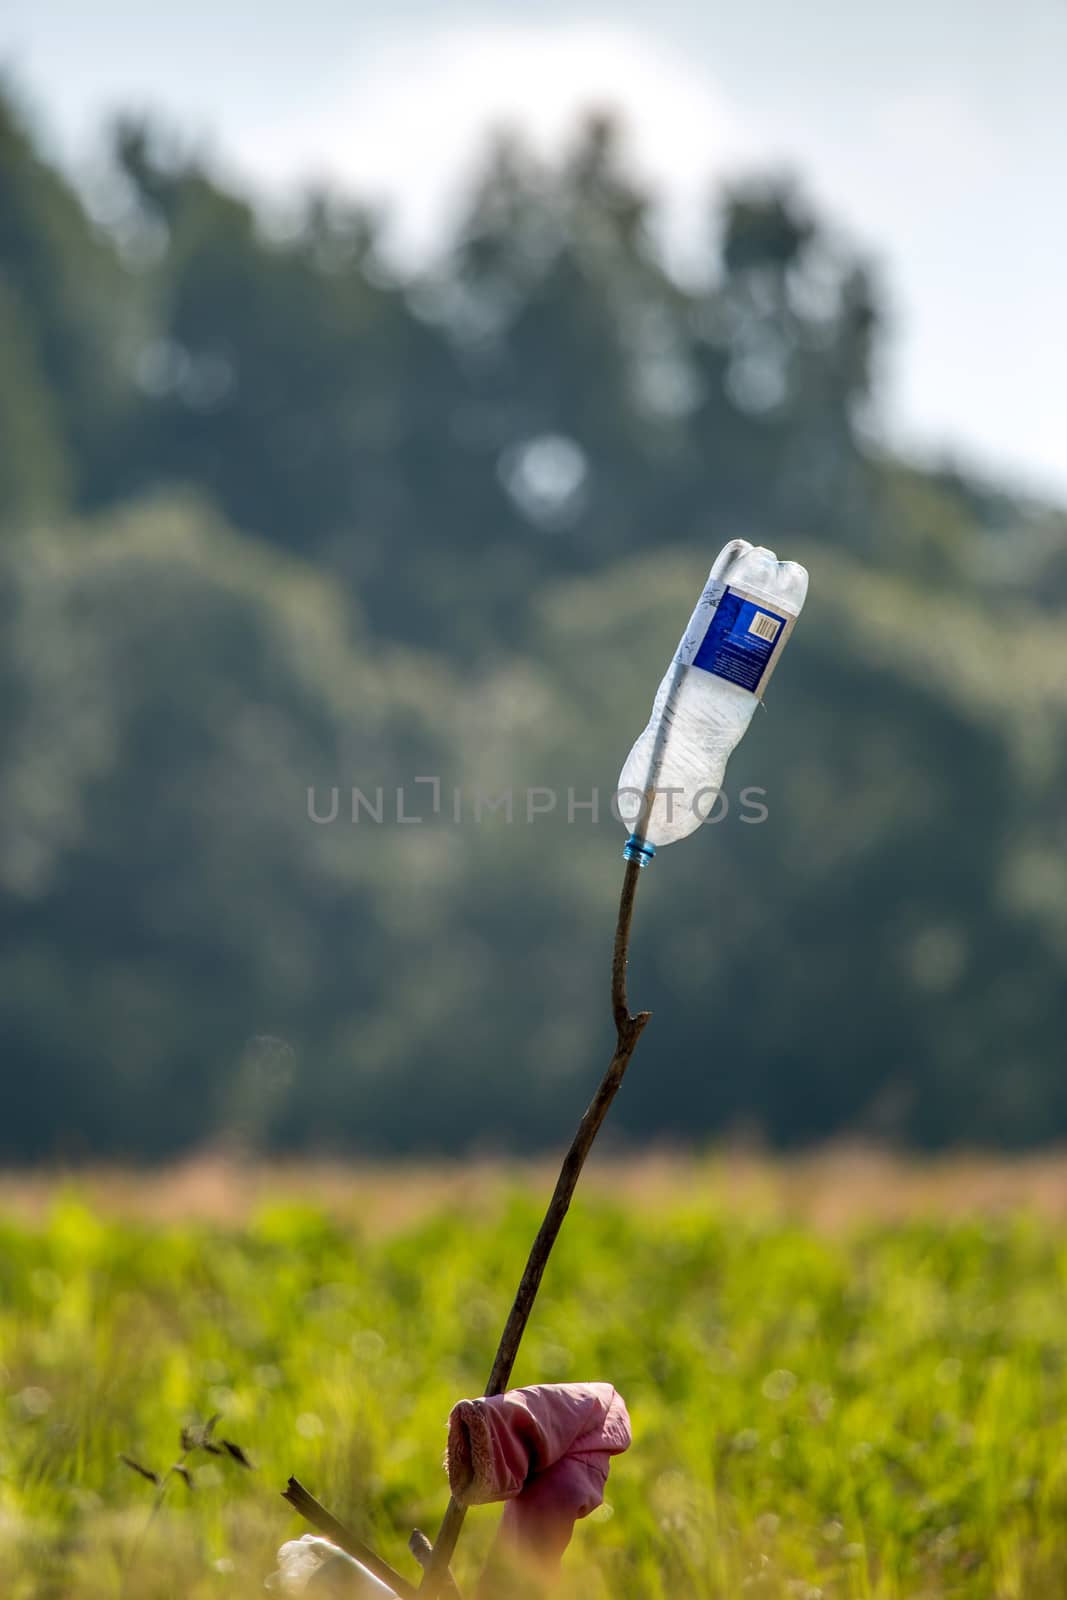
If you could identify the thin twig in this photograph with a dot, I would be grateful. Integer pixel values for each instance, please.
(422, 1550)
(328, 1525)
(162, 1481)
(628, 1030)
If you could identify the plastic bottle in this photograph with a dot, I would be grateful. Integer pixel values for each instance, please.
(708, 695)
(318, 1564)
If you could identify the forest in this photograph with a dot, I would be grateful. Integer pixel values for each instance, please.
(278, 518)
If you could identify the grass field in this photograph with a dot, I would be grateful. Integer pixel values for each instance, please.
(847, 1377)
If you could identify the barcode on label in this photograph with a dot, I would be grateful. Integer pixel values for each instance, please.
(764, 627)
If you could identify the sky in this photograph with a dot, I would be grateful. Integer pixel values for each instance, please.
(932, 133)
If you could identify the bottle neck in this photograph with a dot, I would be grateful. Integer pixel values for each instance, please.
(639, 850)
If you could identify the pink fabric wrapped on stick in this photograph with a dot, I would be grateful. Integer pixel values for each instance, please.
(545, 1450)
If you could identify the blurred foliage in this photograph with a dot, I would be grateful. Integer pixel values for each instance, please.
(876, 1412)
(274, 518)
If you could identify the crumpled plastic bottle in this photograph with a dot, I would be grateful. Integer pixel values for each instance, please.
(316, 1563)
(672, 776)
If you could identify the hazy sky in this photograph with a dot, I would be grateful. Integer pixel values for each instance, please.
(934, 133)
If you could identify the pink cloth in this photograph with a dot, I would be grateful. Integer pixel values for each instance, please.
(545, 1450)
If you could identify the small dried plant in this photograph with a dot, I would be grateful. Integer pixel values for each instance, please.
(194, 1437)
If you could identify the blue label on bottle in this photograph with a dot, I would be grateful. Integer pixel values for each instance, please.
(741, 641)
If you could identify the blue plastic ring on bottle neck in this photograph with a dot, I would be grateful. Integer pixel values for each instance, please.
(639, 850)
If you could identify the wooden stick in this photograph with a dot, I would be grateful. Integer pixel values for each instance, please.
(328, 1525)
(422, 1550)
(628, 1030)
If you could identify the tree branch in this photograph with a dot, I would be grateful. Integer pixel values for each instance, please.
(422, 1550)
(628, 1030)
(328, 1525)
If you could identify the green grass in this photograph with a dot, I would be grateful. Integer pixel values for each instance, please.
(877, 1410)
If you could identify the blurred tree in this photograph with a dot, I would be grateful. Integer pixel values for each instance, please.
(172, 693)
(289, 380)
(64, 306)
(34, 467)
